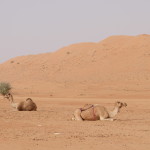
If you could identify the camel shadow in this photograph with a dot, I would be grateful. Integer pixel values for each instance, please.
(129, 119)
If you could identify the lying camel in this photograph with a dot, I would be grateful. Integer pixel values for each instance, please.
(97, 112)
(27, 105)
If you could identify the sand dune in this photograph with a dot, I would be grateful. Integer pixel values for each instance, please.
(117, 66)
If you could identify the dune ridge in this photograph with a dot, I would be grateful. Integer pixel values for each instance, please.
(117, 66)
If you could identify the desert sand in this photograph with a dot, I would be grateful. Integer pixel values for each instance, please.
(117, 68)
(51, 126)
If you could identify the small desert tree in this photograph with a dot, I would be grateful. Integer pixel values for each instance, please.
(5, 88)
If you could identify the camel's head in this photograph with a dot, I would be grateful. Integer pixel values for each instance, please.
(7, 96)
(120, 104)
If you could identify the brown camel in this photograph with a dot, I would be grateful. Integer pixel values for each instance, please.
(97, 112)
(27, 105)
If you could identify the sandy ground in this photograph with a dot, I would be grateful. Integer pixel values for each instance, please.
(51, 126)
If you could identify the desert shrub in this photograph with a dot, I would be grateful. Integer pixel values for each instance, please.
(68, 52)
(12, 61)
(5, 88)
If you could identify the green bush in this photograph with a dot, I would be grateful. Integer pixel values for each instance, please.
(5, 88)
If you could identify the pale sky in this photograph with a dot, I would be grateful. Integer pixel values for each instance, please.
(40, 26)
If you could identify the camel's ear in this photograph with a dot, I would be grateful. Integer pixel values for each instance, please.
(119, 103)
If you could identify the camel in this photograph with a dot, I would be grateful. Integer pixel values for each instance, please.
(27, 105)
(96, 112)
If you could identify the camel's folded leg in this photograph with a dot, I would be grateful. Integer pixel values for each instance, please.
(107, 119)
(77, 115)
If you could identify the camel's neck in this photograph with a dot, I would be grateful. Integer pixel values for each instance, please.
(114, 112)
(11, 98)
(14, 105)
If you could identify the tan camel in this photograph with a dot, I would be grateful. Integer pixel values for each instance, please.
(27, 105)
(97, 112)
